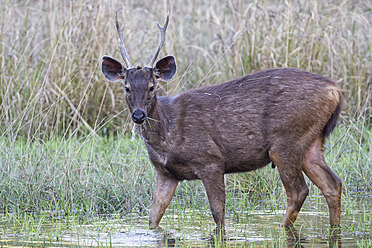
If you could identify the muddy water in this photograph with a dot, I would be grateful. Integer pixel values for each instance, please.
(196, 229)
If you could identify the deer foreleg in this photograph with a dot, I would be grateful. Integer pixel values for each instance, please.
(164, 191)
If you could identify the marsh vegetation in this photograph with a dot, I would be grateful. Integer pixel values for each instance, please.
(70, 175)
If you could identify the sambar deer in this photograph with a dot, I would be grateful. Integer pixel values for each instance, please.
(280, 116)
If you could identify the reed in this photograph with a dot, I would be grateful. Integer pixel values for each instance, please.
(50, 54)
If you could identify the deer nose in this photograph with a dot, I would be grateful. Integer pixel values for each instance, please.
(139, 116)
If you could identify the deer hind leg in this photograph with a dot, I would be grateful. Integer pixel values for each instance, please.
(294, 183)
(317, 170)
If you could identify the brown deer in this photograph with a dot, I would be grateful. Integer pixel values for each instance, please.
(281, 116)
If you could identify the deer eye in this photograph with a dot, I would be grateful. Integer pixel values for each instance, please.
(152, 88)
(127, 90)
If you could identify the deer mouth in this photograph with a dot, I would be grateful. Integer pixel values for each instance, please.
(139, 116)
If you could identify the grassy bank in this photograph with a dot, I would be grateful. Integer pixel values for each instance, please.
(113, 175)
(91, 187)
(50, 53)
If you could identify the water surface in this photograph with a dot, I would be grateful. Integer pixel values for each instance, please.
(195, 228)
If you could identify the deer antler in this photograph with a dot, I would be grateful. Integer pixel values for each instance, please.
(123, 51)
(162, 38)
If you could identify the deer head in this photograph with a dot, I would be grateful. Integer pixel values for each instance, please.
(140, 83)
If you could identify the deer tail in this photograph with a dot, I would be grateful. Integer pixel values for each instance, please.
(331, 124)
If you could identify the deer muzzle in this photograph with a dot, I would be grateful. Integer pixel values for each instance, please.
(139, 116)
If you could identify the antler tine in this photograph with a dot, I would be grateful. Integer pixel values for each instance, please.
(162, 38)
(123, 51)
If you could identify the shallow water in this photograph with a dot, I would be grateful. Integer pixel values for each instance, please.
(196, 229)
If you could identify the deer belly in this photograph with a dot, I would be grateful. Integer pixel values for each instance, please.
(247, 164)
(182, 172)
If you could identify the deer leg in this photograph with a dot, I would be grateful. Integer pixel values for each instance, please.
(164, 191)
(215, 187)
(323, 177)
(294, 184)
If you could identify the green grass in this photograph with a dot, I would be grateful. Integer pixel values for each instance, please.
(107, 183)
(107, 175)
(89, 174)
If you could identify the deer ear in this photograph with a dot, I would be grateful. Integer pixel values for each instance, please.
(166, 68)
(112, 69)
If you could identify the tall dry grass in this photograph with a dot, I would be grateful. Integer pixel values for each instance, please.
(50, 51)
